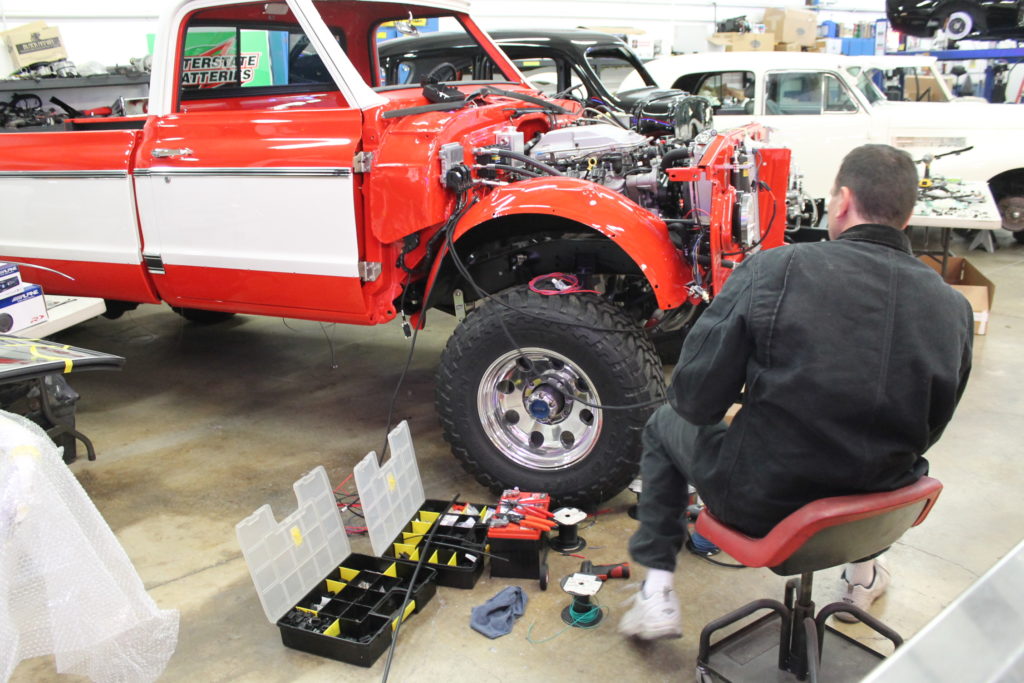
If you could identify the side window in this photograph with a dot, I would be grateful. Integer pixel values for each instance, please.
(794, 93)
(732, 90)
(837, 97)
(544, 73)
(249, 57)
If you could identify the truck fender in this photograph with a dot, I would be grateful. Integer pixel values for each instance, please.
(639, 233)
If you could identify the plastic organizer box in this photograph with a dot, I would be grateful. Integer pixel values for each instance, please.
(457, 547)
(323, 598)
(398, 516)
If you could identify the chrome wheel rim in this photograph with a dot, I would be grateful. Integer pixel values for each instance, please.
(528, 405)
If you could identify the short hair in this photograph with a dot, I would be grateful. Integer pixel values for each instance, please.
(883, 181)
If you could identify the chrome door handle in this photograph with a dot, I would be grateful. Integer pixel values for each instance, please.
(163, 153)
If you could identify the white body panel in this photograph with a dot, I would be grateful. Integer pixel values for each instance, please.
(83, 218)
(277, 222)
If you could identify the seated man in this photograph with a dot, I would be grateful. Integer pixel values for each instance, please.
(854, 355)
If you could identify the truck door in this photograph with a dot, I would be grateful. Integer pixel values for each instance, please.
(819, 118)
(247, 193)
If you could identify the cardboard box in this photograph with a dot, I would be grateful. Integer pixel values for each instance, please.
(743, 42)
(788, 47)
(24, 308)
(922, 89)
(34, 43)
(798, 26)
(968, 280)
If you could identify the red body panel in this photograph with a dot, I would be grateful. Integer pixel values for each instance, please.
(330, 299)
(108, 150)
(102, 280)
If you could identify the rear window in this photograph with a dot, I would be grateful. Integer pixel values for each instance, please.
(419, 49)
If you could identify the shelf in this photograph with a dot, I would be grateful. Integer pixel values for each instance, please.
(36, 84)
(991, 53)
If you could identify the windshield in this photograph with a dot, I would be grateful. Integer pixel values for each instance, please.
(866, 85)
(613, 65)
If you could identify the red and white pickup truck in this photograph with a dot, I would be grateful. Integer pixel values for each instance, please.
(278, 172)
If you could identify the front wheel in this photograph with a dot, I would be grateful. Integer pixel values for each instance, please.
(521, 408)
(1011, 209)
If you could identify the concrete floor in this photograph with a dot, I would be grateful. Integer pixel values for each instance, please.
(206, 424)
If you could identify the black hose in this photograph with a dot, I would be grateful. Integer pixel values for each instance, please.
(550, 170)
(513, 169)
(675, 155)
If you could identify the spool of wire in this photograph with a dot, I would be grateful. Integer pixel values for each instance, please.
(568, 539)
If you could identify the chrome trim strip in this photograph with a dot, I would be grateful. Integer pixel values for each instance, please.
(307, 172)
(65, 174)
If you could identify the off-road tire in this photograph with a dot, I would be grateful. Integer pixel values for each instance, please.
(203, 317)
(621, 364)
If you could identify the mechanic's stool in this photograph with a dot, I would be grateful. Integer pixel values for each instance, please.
(826, 533)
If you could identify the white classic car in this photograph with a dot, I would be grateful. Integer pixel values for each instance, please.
(823, 105)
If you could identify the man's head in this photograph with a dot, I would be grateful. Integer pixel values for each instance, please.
(875, 184)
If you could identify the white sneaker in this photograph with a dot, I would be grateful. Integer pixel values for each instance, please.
(863, 596)
(654, 617)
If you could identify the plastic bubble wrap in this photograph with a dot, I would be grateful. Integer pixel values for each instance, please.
(67, 588)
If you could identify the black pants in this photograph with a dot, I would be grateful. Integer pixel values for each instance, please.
(670, 444)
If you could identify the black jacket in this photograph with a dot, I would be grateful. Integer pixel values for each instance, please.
(854, 355)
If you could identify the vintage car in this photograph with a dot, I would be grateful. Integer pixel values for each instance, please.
(821, 111)
(958, 18)
(587, 66)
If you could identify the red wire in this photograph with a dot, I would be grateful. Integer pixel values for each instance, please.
(343, 483)
(572, 281)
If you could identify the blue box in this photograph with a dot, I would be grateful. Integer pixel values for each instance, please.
(828, 29)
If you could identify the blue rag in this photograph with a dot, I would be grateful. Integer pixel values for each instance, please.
(496, 617)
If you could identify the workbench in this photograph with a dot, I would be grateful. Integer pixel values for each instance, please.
(63, 312)
(956, 204)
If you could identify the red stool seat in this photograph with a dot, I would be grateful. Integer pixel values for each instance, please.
(828, 532)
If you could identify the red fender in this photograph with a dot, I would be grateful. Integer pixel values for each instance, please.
(641, 234)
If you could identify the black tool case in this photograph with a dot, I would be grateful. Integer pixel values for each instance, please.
(399, 516)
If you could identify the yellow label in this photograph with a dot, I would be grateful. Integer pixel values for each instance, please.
(392, 484)
(531, 62)
(296, 536)
(381, 35)
(334, 629)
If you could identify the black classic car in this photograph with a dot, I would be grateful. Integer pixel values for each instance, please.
(958, 19)
(572, 63)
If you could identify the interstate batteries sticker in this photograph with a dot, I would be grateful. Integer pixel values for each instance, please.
(219, 68)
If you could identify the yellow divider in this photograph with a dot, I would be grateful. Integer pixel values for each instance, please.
(427, 516)
(406, 551)
(392, 571)
(308, 611)
(408, 610)
(334, 629)
(421, 528)
(412, 538)
(433, 558)
(335, 586)
(453, 562)
(483, 513)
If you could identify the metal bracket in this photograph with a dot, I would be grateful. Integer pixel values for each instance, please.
(460, 305)
(369, 271)
(362, 162)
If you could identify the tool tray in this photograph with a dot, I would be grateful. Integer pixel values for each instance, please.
(323, 598)
(457, 548)
(352, 613)
(399, 517)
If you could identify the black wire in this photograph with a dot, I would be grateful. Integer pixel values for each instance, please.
(412, 585)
